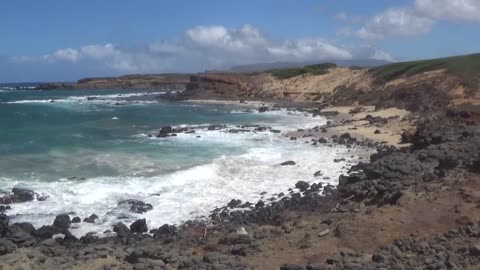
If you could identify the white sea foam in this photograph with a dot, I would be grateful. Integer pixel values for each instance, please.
(183, 194)
(93, 99)
(189, 191)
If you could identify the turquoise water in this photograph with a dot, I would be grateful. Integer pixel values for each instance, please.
(86, 155)
(63, 139)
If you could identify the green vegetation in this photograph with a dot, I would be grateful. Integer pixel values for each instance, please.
(466, 67)
(318, 69)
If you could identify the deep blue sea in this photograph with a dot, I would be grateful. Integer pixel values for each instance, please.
(89, 150)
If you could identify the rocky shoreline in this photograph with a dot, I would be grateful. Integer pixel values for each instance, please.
(414, 207)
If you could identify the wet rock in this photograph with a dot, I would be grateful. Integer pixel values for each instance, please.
(302, 185)
(139, 226)
(259, 204)
(164, 230)
(18, 195)
(337, 160)
(62, 221)
(263, 109)
(322, 140)
(164, 131)
(288, 163)
(89, 238)
(137, 206)
(216, 127)
(76, 220)
(121, 229)
(25, 226)
(69, 237)
(318, 174)
(4, 208)
(234, 203)
(90, 219)
(46, 232)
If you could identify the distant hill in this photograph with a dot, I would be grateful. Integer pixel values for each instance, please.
(368, 63)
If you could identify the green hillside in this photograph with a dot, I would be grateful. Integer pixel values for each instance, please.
(466, 67)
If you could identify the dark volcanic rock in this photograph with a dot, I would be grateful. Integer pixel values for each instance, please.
(431, 156)
(234, 203)
(288, 163)
(4, 220)
(139, 226)
(23, 195)
(62, 221)
(216, 127)
(165, 229)
(302, 185)
(121, 229)
(47, 232)
(322, 140)
(25, 226)
(76, 220)
(90, 219)
(18, 195)
(137, 206)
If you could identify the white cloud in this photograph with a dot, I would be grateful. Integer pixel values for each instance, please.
(203, 47)
(396, 22)
(65, 54)
(457, 10)
(419, 18)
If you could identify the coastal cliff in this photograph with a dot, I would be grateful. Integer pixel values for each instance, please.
(154, 81)
(416, 86)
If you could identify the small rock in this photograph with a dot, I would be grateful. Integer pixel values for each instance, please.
(241, 231)
(121, 229)
(302, 185)
(62, 221)
(288, 163)
(323, 233)
(474, 249)
(90, 219)
(139, 226)
(76, 220)
(378, 258)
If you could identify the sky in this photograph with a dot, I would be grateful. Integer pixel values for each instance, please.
(59, 40)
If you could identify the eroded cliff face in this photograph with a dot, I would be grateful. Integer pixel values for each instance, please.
(340, 86)
(219, 86)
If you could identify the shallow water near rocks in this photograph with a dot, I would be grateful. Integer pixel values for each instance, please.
(89, 150)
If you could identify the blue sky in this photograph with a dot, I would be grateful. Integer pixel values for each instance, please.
(57, 40)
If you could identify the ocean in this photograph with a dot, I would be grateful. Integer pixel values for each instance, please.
(88, 150)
